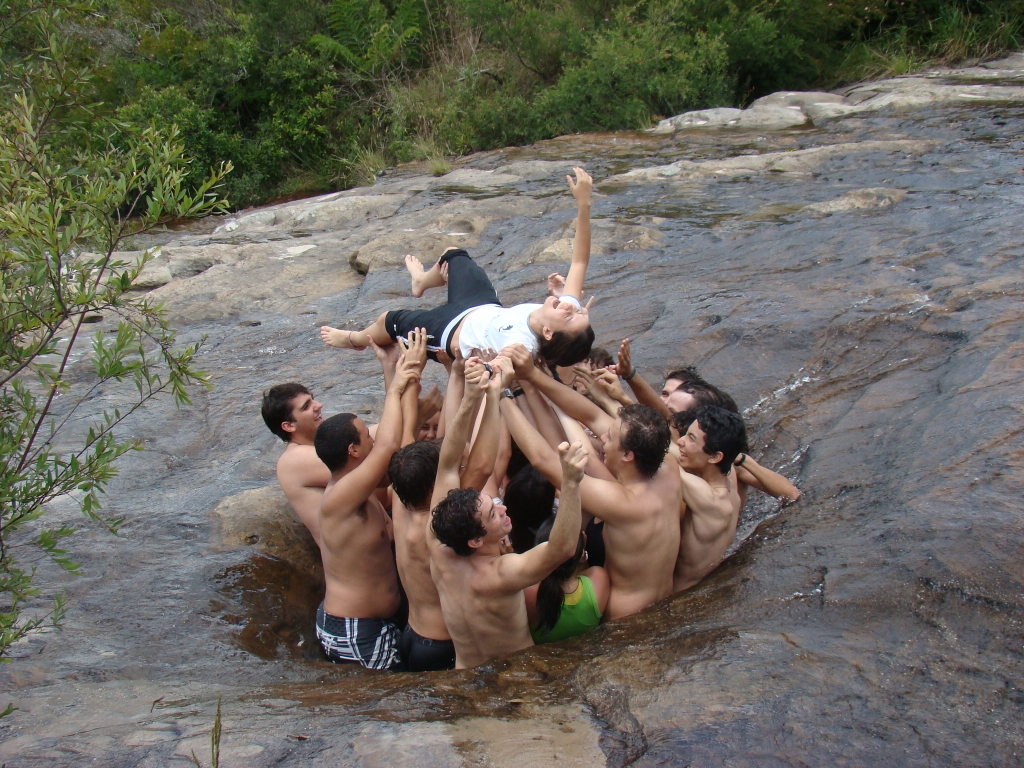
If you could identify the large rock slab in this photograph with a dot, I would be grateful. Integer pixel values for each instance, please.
(797, 161)
(769, 117)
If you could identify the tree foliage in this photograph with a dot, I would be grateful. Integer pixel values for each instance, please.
(69, 195)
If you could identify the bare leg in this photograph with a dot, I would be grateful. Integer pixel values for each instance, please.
(335, 337)
(422, 280)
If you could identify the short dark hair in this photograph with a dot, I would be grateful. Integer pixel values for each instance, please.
(682, 420)
(277, 406)
(646, 435)
(709, 394)
(723, 431)
(687, 373)
(565, 349)
(455, 520)
(333, 438)
(600, 357)
(412, 471)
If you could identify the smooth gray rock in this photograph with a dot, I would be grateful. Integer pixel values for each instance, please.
(799, 99)
(859, 199)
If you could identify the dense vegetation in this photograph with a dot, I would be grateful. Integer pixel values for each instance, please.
(306, 96)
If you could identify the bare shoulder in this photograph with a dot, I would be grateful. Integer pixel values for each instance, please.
(299, 464)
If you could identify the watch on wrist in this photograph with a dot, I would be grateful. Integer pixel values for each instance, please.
(507, 392)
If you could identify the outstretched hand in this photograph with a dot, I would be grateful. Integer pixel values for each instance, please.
(574, 461)
(521, 359)
(504, 371)
(556, 284)
(625, 365)
(582, 186)
(477, 378)
(415, 349)
(388, 357)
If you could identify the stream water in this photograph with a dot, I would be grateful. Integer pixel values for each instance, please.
(878, 353)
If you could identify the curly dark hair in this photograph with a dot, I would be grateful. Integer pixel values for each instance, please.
(455, 520)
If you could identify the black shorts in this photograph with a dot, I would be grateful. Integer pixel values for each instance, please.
(468, 288)
(421, 654)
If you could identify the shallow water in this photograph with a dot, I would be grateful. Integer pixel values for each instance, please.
(879, 356)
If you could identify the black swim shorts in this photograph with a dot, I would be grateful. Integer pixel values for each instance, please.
(421, 654)
(468, 288)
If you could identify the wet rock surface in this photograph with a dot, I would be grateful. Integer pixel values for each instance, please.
(855, 284)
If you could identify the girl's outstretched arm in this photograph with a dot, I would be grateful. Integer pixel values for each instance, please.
(580, 188)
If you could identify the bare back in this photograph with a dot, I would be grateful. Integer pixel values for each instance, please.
(707, 533)
(413, 558)
(484, 620)
(303, 477)
(359, 567)
(642, 545)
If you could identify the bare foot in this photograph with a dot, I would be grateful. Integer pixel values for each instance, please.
(416, 271)
(335, 337)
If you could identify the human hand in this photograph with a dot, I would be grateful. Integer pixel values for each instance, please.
(574, 460)
(505, 546)
(608, 381)
(581, 187)
(504, 371)
(444, 272)
(521, 359)
(415, 347)
(458, 364)
(444, 359)
(478, 374)
(388, 357)
(406, 373)
(625, 364)
(486, 355)
(556, 284)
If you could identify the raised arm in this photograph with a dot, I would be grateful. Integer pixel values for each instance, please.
(355, 487)
(516, 572)
(454, 443)
(543, 417)
(753, 474)
(641, 389)
(566, 398)
(581, 190)
(541, 455)
(604, 388)
(480, 464)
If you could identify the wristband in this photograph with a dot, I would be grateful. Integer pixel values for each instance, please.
(740, 463)
(517, 392)
(631, 374)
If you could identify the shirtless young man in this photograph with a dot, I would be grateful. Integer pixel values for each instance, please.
(292, 414)
(711, 442)
(481, 589)
(707, 450)
(640, 506)
(473, 318)
(354, 623)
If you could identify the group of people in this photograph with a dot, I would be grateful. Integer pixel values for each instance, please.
(531, 501)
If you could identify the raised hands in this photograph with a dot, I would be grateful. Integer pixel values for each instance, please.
(625, 364)
(521, 359)
(410, 363)
(581, 187)
(574, 461)
(556, 284)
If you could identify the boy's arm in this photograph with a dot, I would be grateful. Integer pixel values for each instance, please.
(581, 189)
(543, 418)
(480, 464)
(355, 488)
(536, 449)
(516, 572)
(566, 398)
(454, 443)
(753, 474)
(641, 389)
(410, 414)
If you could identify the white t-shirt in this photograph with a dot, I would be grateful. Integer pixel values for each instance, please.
(496, 327)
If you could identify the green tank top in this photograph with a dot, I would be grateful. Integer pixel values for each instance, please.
(579, 614)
